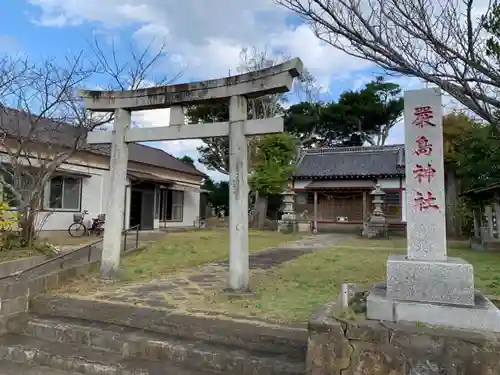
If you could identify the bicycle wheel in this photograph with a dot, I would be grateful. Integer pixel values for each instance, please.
(77, 230)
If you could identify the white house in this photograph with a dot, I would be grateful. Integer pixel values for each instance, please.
(161, 190)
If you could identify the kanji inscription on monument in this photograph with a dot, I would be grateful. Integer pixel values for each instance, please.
(426, 230)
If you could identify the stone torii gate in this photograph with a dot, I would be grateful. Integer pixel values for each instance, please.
(235, 89)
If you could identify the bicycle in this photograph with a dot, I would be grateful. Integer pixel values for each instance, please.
(79, 229)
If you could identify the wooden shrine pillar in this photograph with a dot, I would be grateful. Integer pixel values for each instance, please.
(315, 212)
(489, 220)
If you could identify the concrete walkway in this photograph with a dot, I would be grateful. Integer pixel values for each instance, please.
(181, 289)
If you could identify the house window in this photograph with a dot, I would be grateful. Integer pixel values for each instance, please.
(171, 205)
(65, 193)
(157, 202)
(177, 205)
(163, 204)
(392, 204)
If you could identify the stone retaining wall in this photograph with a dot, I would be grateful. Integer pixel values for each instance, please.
(338, 347)
(239, 333)
(15, 296)
(16, 293)
(6, 268)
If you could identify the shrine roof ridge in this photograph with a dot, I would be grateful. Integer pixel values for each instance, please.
(352, 162)
(272, 80)
(350, 149)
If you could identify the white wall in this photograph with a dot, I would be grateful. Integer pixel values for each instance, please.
(389, 183)
(128, 194)
(403, 206)
(156, 222)
(95, 191)
(301, 184)
(91, 200)
(191, 210)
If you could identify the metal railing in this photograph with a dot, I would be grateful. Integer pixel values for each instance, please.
(125, 232)
(64, 256)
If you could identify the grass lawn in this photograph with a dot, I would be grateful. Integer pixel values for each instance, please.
(174, 252)
(179, 250)
(292, 291)
(8, 255)
(62, 238)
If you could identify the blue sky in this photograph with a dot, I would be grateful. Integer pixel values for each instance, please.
(203, 39)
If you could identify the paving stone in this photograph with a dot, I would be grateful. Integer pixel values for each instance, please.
(203, 278)
(10, 368)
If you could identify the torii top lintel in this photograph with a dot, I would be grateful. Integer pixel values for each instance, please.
(273, 80)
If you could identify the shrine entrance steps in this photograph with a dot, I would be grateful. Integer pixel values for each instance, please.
(54, 339)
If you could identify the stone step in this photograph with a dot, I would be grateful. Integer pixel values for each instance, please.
(71, 359)
(133, 343)
(241, 333)
(11, 368)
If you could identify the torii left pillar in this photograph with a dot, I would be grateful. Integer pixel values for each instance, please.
(118, 177)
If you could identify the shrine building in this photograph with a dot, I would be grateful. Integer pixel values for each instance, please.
(333, 186)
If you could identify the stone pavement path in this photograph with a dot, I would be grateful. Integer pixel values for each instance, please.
(181, 289)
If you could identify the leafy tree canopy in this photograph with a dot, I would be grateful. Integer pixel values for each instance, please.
(478, 159)
(456, 127)
(186, 159)
(219, 193)
(357, 117)
(472, 150)
(273, 163)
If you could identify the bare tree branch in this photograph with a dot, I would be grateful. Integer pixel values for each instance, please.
(440, 41)
(43, 123)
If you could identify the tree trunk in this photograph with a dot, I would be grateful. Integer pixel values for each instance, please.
(27, 224)
(453, 219)
(260, 210)
(27, 221)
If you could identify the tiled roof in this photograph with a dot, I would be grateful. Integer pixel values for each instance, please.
(354, 162)
(17, 124)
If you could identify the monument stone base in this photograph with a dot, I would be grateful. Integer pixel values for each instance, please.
(375, 230)
(304, 226)
(450, 281)
(287, 226)
(482, 316)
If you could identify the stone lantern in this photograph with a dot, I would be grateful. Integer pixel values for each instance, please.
(377, 223)
(288, 222)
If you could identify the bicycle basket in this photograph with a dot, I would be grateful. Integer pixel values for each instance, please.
(77, 218)
(101, 218)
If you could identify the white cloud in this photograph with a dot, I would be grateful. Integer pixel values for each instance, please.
(204, 39)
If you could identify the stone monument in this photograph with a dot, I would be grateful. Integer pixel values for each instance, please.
(288, 222)
(376, 226)
(426, 285)
(235, 90)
